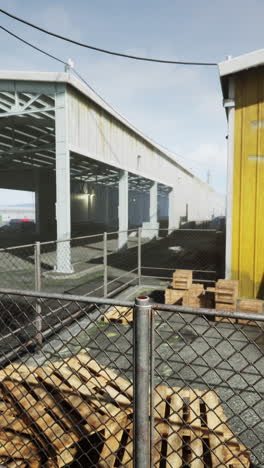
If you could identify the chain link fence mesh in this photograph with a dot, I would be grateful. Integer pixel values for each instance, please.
(70, 402)
(17, 267)
(208, 397)
(104, 264)
(73, 265)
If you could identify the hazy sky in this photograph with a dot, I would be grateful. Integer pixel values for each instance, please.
(179, 107)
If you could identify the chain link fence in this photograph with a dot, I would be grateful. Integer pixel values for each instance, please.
(115, 383)
(105, 264)
(208, 388)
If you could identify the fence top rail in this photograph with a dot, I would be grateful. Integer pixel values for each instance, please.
(156, 306)
(5, 249)
(65, 297)
(208, 312)
(172, 269)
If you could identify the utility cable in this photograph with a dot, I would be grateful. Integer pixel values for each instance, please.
(105, 51)
(38, 49)
(33, 46)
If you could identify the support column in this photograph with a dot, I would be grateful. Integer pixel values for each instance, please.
(171, 211)
(230, 105)
(151, 229)
(107, 207)
(63, 191)
(153, 204)
(123, 209)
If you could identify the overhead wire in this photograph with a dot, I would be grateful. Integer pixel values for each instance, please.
(32, 46)
(105, 51)
(52, 56)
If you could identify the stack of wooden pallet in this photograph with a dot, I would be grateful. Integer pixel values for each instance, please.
(77, 411)
(194, 296)
(182, 279)
(51, 416)
(226, 294)
(181, 282)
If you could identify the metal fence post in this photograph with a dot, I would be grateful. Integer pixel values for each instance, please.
(139, 255)
(38, 321)
(141, 350)
(105, 264)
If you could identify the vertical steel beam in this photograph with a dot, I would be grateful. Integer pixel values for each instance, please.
(139, 254)
(105, 264)
(63, 191)
(141, 336)
(230, 176)
(171, 211)
(123, 209)
(153, 204)
(38, 321)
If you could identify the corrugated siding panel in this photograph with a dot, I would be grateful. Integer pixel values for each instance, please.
(248, 194)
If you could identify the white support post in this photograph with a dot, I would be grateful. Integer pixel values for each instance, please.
(63, 191)
(171, 211)
(153, 204)
(123, 209)
(107, 206)
(151, 229)
(230, 176)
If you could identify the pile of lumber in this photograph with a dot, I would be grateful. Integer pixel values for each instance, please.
(78, 411)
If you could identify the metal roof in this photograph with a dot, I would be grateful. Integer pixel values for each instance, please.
(242, 62)
(46, 118)
(69, 79)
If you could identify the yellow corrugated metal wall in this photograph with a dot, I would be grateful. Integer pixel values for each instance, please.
(248, 191)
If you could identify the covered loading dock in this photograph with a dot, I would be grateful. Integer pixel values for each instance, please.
(61, 140)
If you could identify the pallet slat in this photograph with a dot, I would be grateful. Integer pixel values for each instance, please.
(118, 314)
(58, 413)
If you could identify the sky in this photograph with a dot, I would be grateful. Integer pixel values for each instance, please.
(179, 107)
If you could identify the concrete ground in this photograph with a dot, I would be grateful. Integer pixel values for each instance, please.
(189, 352)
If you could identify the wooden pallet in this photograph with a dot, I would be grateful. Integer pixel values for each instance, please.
(250, 306)
(228, 307)
(190, 430)
(46, 412)
(193, 297)
(79, 411)
(118, 314)
(173, 296)
(226, 291)
(182, 279)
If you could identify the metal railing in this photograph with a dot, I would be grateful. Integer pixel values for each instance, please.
(96, 264)
(122, 383)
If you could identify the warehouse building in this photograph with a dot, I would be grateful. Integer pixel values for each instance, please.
(87, 164)
(242, 80)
